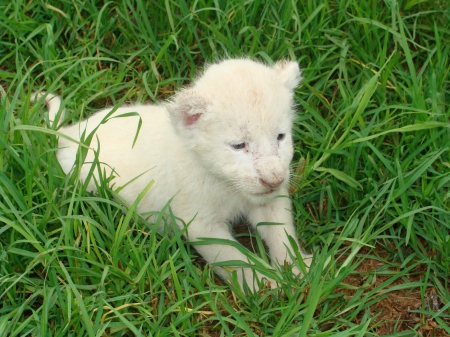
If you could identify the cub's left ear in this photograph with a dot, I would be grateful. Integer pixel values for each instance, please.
(289, 73)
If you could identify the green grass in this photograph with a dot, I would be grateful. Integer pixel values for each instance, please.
(372, 163)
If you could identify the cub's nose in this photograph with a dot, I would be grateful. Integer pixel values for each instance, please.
(271, 183)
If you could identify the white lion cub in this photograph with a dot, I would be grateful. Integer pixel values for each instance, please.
(221, 148)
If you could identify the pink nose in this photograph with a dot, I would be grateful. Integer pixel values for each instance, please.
(271, 183)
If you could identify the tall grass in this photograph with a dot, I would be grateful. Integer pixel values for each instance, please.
(372, 168)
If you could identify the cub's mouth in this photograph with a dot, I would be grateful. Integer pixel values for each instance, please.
(265, 193)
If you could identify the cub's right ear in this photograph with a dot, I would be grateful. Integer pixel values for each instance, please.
(185, 109)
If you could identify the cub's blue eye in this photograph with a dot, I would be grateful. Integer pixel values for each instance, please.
(238, 146)
(281, 136)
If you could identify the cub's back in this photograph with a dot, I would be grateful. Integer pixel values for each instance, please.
(155, 137)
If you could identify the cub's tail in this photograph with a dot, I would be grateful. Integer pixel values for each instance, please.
(53, 103)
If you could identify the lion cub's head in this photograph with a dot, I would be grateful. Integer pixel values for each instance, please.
(237, 118)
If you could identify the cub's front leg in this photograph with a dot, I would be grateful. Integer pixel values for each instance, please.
(278, 212)
(214, 253)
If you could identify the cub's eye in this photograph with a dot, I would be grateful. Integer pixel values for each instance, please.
(281, 136)
(239, 146)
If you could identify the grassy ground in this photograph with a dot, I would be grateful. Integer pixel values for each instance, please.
(372, 198)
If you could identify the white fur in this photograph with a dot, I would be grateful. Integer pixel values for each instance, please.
(186, 147)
